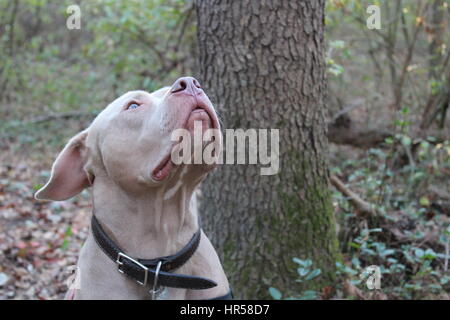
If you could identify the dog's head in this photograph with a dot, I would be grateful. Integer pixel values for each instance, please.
(131, 142)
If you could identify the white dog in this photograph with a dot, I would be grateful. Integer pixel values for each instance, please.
(144, 205)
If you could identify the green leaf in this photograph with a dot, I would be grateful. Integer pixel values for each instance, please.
(356, 262)
(275, 293)
(313, 274)
(299, 261)
(419, 252)
(429, 254)
(309, 295)
(444, 280)
(336, 69)
(354, 245)
(338, 44)
(302, 271)
(68, 232)
(387, 252)
(304, 263)
(308, 263)
(404, 110)
(406, 141)
(424, 201)
(65, 244)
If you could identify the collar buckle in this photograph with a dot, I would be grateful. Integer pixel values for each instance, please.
(119, 262)
(156, 290)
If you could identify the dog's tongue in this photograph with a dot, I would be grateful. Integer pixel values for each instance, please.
(163, 170)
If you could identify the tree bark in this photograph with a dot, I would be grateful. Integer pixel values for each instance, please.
(436, 33)
(438, 100)
(262, 65)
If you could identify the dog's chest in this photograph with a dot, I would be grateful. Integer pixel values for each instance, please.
(163, 295)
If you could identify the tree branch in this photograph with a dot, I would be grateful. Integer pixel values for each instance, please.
(363, 208)
(62, 116)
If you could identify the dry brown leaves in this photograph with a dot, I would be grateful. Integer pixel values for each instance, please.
(39, 241)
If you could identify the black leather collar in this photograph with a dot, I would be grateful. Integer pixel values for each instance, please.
(152, 272)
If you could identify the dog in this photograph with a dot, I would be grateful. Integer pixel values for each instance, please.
(144, 204)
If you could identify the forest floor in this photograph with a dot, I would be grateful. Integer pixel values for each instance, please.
(39, 241)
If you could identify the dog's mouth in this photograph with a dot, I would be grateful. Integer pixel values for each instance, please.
(199, 116)
(163, 169)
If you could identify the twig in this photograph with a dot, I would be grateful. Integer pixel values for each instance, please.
(352, 290)
(362, 207)
(410, 156)
(346, 110)
(447, 251)
(58, 116)
(184, 26)
(441, 193)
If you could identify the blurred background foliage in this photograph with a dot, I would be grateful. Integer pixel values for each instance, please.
(122, 45)
(389, 92)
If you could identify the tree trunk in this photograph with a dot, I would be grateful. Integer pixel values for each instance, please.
(438, 100)
(436, 34)
(262, 64)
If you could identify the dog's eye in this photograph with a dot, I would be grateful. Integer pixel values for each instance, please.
(133, 105)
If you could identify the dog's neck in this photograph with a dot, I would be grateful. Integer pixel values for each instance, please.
(158, 223)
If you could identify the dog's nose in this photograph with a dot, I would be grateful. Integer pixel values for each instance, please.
(186, 85)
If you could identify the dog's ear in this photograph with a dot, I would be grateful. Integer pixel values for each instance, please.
(68, 177)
